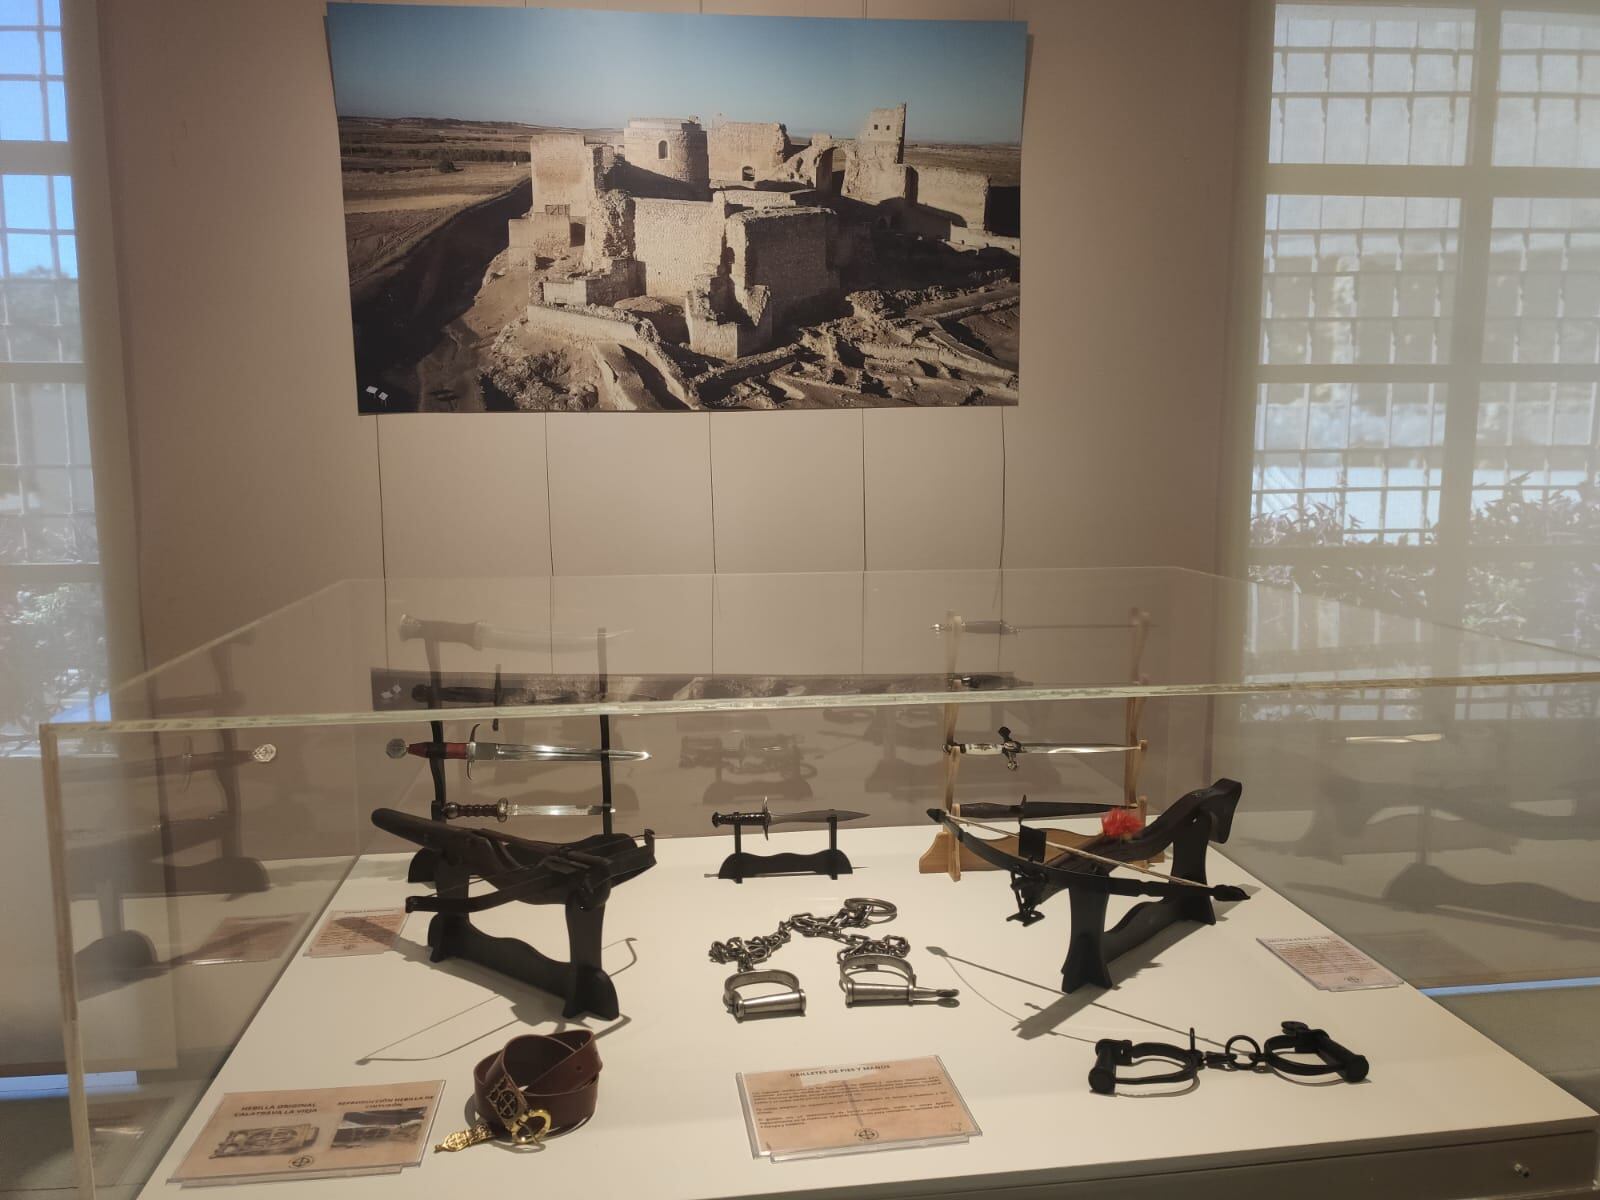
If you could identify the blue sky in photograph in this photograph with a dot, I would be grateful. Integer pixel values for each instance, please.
(962, 80)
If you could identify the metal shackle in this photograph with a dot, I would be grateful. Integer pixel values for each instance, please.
(872, 991)
(790, 1001)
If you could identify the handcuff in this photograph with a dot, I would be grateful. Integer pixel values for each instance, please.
(1239, 1053)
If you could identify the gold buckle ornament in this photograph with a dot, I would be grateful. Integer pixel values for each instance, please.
(516, 1127)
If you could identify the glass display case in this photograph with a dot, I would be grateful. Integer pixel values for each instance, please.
(1426, 793)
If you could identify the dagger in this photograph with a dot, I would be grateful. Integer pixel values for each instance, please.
(504, 810)
(475, 751)
(1010, 748)
(766, 818)
(1032, 810)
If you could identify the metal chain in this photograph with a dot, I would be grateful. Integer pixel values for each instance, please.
(857, 913)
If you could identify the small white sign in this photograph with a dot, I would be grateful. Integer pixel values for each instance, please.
(1331, 963)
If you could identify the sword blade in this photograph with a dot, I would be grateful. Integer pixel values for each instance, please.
(1034, 808)
(1074, 748)
(555, 810)
(515, 752)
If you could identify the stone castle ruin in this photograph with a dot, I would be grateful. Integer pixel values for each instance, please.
(682, 266)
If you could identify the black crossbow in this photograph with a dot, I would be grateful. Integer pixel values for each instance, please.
(520, 868)
(1083, 871)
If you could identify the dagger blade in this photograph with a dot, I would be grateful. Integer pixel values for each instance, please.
(817, 816)
(1034, 809)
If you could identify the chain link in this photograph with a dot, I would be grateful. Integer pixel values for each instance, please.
(857, 913)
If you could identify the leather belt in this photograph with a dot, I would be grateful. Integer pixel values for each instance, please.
(538, 1084)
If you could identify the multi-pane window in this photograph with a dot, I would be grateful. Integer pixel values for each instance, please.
(52, 626)
(1366, 457)
(1366, 84)
(1428, 372)
(1358, 279)
(1548, 110)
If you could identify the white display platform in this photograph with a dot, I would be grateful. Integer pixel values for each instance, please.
(1446, 1112)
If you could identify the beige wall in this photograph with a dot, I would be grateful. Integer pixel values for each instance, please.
(257, 481)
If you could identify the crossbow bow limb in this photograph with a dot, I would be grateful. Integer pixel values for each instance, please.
(1084, 872)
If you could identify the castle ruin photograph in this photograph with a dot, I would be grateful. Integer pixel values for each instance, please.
(835, 224)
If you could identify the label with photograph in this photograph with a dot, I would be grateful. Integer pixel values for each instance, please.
(313, 1134)
(357, 931)
(816, 1111)
(1331, 963)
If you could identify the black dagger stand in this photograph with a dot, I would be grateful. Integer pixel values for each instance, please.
(742, 865)
(581, 983)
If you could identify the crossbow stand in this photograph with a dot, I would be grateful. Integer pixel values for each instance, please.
(581, 982)
(1187, 828)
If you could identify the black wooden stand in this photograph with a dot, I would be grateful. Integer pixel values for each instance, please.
(1093, 947)
(742, 865)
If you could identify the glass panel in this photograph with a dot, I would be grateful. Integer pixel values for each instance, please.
(1371, 84)
(695, 643)
(1549, 110)
(1358, 279)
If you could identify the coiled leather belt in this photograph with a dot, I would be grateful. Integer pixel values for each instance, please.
(538, 1084)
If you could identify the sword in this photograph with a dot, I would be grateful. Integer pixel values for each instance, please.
(474, 751)
(1009, 747)
(1033, 810)
(766, 818)
(504, 810)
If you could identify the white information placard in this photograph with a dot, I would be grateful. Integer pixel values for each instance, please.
(1331, 963)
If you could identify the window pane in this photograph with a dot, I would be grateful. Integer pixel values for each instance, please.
(1544, 282)
(1549, 110)
(1358, 279)
(20, 53)
(53, 638)
(1371, 84)
(38, 291)
(1536, 466)
(1341, 464)
(21, 111)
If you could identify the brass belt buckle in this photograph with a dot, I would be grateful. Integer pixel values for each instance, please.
(517, 1128)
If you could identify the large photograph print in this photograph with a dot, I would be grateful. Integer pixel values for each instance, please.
(554, 210)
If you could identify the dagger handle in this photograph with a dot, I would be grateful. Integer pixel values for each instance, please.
(748, 819)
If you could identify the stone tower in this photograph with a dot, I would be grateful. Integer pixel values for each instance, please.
(668, 154)
(883, 136)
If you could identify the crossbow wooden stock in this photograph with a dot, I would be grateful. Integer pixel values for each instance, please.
(1084, 873)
